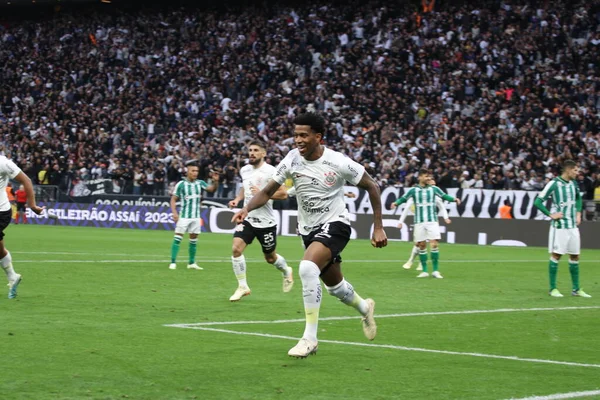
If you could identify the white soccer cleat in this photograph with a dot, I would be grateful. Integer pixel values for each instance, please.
(194, 266)
(172, 266)
(407, 265)
(436, 274)
(555, 293)
(13, 285)
(239, 293)
(419, 267)
(304, 348)
(368, 321)
(288, 284)
(423, 275)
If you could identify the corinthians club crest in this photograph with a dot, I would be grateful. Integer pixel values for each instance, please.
(330, 178)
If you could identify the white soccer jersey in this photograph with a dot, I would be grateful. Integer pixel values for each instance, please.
(319, 186)
(8, 170)
(262, 217)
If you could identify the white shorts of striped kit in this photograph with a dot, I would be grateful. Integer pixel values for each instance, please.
(427, 231)
(188, 225)
(564, 241)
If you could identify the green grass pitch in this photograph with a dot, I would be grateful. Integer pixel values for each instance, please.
(91, 322)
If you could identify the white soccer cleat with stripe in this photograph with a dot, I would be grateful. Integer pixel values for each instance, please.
(436, 274)
(304, 348)
(13, 285)
(368, 321)
(194, 266)
(239, 293)
(172, 266)
(407, 265)
(423, 275)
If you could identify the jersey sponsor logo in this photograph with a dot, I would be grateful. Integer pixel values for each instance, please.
(332, 165)
(281, 170)
(192, 196)
(564, 204)
(353, 171)
(330, 178)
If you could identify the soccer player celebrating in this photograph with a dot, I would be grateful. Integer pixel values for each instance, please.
(189, 191)
(410, 206)
(319, 175)
(9, 170)
(426, 219)
(260, 223)
(566, 216)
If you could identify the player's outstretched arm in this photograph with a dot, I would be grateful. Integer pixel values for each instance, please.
(240, 196)
(379, 238)
(215, 184)
(258, 200)
(280, 194)
(26, 182)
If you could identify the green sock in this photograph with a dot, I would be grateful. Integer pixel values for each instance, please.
(574, 270)
(423, 258)
(435, 258)
(192, 250)
(553, 270)
(175, 247)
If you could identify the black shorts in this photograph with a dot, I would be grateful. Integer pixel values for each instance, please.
(5, 217)
(334, 235)
(21, 206)
(266, 236)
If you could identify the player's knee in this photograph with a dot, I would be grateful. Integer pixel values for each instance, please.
(308, 270)
(271, 257)
(574, 257)
(236, 250)
(434, 244)
(556, 256)
(422, 245)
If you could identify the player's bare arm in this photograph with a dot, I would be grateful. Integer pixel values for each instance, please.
(215, 185)
(280, 194)
(260, 199)
(174, 208)
(240, 196)
(26, 182)
(379, 238)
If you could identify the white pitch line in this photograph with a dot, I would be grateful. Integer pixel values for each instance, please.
(558, 396)
(404, 348)
(416, 314)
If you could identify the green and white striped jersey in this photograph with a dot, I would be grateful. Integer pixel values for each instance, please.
(425, 205)
(565, 195)
(190, 194)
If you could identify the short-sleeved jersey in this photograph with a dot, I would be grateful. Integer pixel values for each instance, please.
(8, 170)
(262, 217)
(190, 194)
(564, 199)
(319, 186)
(425, 202)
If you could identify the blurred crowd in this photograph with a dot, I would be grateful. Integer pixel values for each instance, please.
(493, 94)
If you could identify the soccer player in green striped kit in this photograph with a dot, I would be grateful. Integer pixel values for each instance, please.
(426, 219)
(566, 216)
(189, 191)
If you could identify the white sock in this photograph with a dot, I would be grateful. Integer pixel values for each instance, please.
(239, 269)
(413, 254)
(281, 265)
(6, 263)
(311, 291)
(345, 292)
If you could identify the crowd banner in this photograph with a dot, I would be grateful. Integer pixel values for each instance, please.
(476, 203)
(484, 231)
